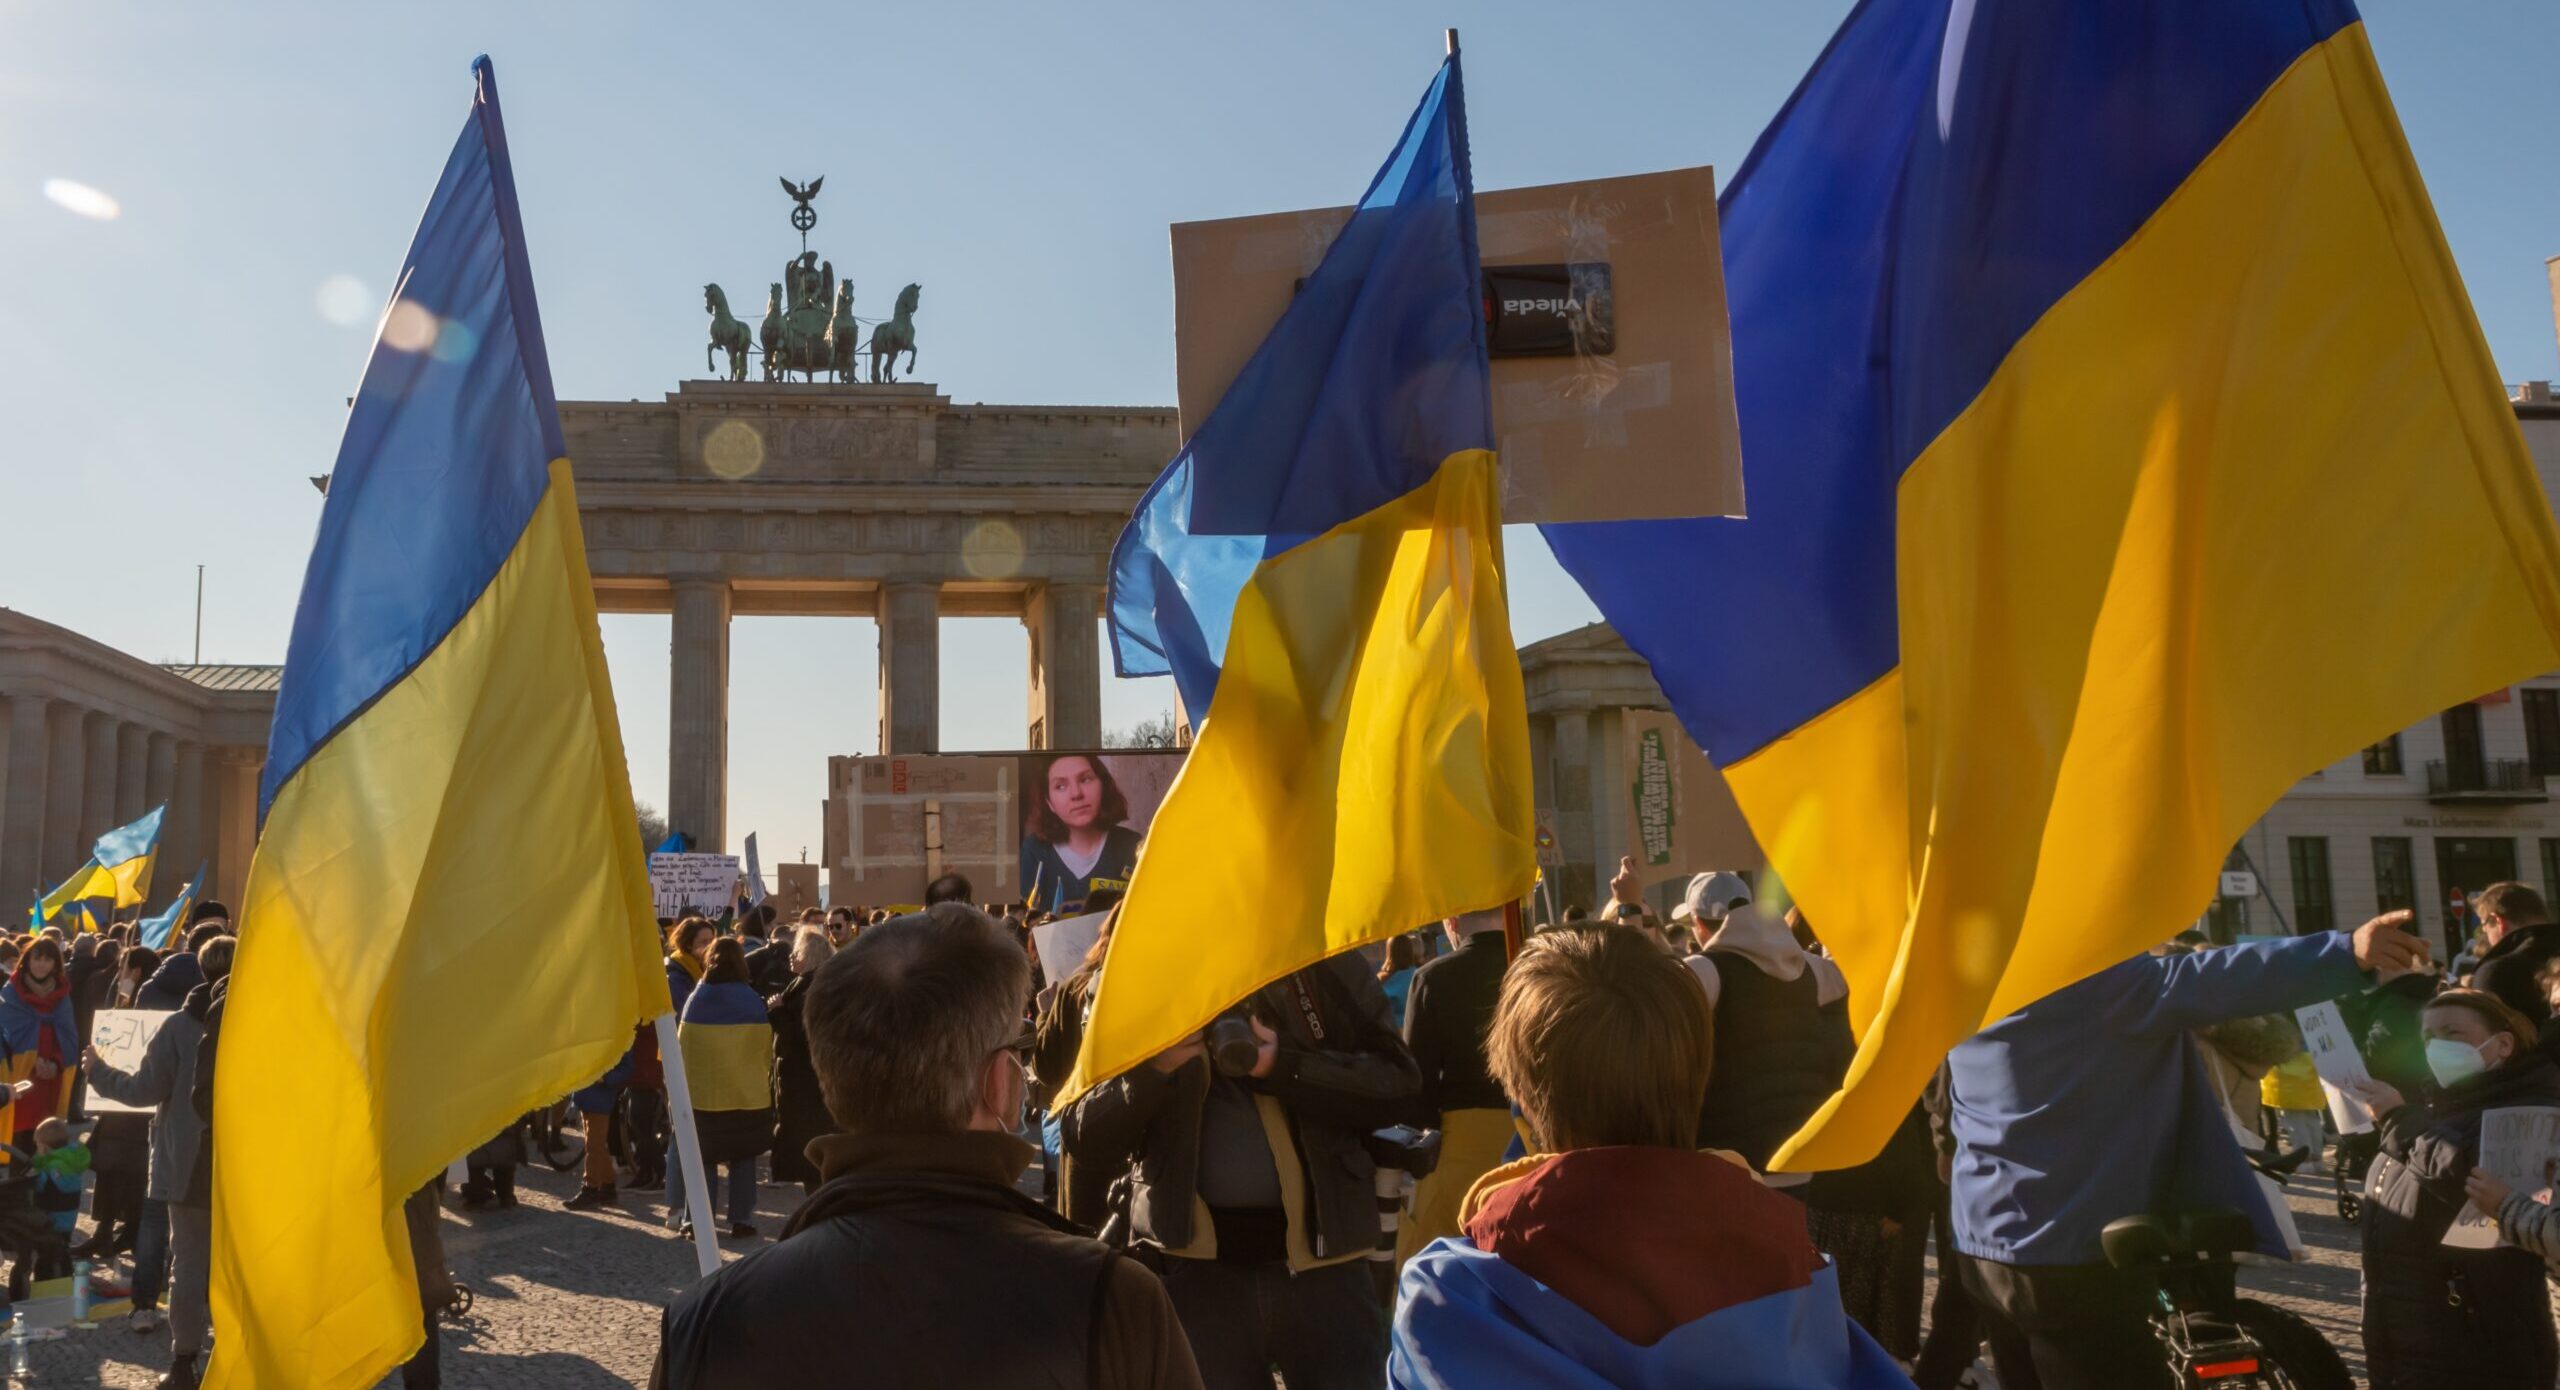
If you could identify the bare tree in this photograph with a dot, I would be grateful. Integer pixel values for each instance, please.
(653, 827)
(1154, 731)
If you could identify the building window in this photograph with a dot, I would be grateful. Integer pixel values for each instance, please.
(2465, 762)
(2551, 870)
(2228, 919)
(2312, 911)
(2542, 731)
(2383, 759)
(2394, 886)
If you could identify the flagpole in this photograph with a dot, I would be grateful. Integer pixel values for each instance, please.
(697, 1186)
(200, 608)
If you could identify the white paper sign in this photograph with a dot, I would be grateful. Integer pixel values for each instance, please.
(755, 875)
(2333, 1054)
(2520, 1146)
(1063, 943)
(122, 1036)
(705, 881)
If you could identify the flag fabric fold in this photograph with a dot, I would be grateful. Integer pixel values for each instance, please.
(447, 919)
(2096, 367)
(1320, 571)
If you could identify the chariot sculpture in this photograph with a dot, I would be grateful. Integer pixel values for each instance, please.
(809, 325)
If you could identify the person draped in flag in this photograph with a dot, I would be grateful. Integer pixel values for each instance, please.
(1618, 1253)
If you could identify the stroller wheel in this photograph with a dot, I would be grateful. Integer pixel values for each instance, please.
(457, 1303)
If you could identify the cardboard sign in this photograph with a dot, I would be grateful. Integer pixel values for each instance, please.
(896, 823)
(1638, 423)
(1062, 944)
(703, 882)
(2520, 1146)
(2334, 1055)
(122, 1036)
(1681, 815)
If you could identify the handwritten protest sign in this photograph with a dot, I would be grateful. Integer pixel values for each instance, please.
(680, 881)
(1063, 943)
(2341, 1066)
(121, 1037)
(2520, 1146)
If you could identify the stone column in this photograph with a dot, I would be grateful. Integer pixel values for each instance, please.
(185, 838)
(63, 847)
(159, 774)
(1066, 665)
(133, 743)
(22, 821)
(98, 781)
(1572, 740)
(234, 796)
(698, 713)
(910, 668)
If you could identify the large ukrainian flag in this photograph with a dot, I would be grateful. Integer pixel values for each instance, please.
(1320, 571)
(448, 918)
(2122, 448)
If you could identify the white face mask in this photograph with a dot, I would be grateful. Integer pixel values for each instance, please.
(2454, 1061)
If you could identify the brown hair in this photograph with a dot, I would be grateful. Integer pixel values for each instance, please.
(683, 928)
(2514, 902)
(1602, 1038)
(903, 1022)
(2499, 1015)
(1044, 822)
(725, 963)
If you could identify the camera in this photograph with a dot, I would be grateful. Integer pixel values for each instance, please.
(1404, 1149)
(1233, 1049)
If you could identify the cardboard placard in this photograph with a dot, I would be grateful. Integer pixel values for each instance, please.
(121, 1037)
(896, 823)
(1681, 816)
(2520, 1146)
(2334, 1055)
(700, 882)
(1645, 429)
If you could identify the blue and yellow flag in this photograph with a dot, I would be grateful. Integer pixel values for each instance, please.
(118, 874)
(155, 931)
(448, 920)
(1320, 570)
(2099, 368)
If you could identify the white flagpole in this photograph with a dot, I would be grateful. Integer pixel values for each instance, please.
(697, 1184)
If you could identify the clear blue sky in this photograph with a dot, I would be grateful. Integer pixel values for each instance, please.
(168, 378)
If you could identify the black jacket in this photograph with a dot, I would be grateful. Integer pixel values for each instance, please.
(2438, 1316)
(919, 1264)
(1334, 1090)
(2507, 969)
(769, 966)
(1449, 1009)
(799, 1108)
(1779, 1054)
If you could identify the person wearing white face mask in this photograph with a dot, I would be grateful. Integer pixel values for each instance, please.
(2436, 1315)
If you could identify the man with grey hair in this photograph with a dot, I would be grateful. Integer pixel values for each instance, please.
(918, 1261)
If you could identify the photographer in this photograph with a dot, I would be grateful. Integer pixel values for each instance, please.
(1248, 1174)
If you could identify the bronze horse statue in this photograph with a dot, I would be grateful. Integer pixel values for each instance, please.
(844, 335)
(769, 334)
(727, 335)
(896, 336)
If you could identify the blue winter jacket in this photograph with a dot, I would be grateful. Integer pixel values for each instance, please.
(2092, 1103)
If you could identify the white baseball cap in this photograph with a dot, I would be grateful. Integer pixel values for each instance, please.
(1711, 895)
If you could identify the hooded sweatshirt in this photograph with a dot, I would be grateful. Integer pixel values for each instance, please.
(1634, 1267)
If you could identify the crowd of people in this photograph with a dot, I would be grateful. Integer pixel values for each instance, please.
(1454, 1159)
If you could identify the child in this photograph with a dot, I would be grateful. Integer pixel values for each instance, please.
(61, 1168)
(1620, 1254)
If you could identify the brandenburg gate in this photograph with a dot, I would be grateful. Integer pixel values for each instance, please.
(887, 501)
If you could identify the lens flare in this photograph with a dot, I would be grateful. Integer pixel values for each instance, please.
(344, 301)
(992, 550)
(409, 327)
(733, 450)
(77, 197)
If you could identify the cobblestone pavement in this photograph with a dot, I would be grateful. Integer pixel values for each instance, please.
(570, 1300)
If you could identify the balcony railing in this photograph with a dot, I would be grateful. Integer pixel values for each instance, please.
(2509, 780)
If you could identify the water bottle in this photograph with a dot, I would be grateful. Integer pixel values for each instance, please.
(80, 1294)
(18, 1368)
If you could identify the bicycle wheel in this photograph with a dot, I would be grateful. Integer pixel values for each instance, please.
(2293, 1355)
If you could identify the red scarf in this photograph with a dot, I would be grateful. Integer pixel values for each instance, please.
(28, 989)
